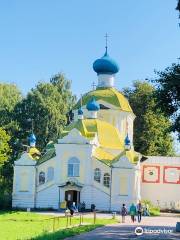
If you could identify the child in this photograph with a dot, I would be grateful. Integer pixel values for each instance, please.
(123, 212)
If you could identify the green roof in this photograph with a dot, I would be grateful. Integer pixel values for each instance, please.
(50, 145)
(48, 155)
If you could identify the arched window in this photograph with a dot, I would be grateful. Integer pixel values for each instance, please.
(41, 178)
(97, 175)
(73, 167)
(50, 174)
(106, 180)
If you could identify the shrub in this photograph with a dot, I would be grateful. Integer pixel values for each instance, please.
(153, 210)
(5, 201)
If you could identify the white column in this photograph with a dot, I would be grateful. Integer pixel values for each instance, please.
(106, 80)
(92, 114)
(80, 117)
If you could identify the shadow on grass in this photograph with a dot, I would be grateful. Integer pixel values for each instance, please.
(69, 232)
(2, 212)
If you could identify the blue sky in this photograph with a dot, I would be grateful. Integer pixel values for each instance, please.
(41, 38)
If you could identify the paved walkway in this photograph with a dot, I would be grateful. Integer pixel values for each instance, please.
(125, 231)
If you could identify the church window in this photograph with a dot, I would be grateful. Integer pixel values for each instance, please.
(50, 173)
(41, 178)
(106, 180)
(73, 167)
(97, 175)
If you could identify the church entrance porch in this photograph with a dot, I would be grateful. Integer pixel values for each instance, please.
(72, 196)
(69, 192)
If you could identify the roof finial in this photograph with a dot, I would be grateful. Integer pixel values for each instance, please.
(106, 37)
(93, 86)
(81, 100)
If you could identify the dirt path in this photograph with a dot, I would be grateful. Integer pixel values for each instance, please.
(164, 225)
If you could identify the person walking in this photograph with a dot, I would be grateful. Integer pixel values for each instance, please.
(132, 211)
(123, 212)
(139, 211)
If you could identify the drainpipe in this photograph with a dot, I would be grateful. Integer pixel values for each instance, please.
(59, 199)
(110, 190)
(35, 189)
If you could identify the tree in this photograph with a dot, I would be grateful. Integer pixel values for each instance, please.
(9, 130)
(4, 147)
(10, 96)
(178, 6)
(4, 156)
(151, 126)
(167, 84)
(45, 108)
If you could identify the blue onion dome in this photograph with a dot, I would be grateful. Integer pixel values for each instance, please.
(92, 105)
(80, 111)
(105, 65)
(127, 141)
(32, 139)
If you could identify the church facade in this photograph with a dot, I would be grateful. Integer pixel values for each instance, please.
(94, 161)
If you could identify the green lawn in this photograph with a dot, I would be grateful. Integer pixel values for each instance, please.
(23, 225)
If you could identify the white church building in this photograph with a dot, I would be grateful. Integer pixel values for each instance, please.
(94, 161)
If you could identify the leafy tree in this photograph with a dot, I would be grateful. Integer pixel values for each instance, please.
(9, 130)
(151, 126)
(178, 6)
(168, 94)
(4, 146)
(4, 155)
(10, 96)
(45, 108)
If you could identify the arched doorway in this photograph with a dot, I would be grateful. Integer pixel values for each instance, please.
(72, 196)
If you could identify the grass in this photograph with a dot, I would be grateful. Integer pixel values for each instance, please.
(154, 211)
(61, 234)
(19, 225)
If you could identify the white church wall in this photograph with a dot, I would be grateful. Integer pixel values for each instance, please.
(101, 199)
(43, 167)
(48, 193)
(48, 197)
(160, 182)
(96, 193)
(122, 187)
(80, 151)
(125, 184)
(23, 195)
(104, 169)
